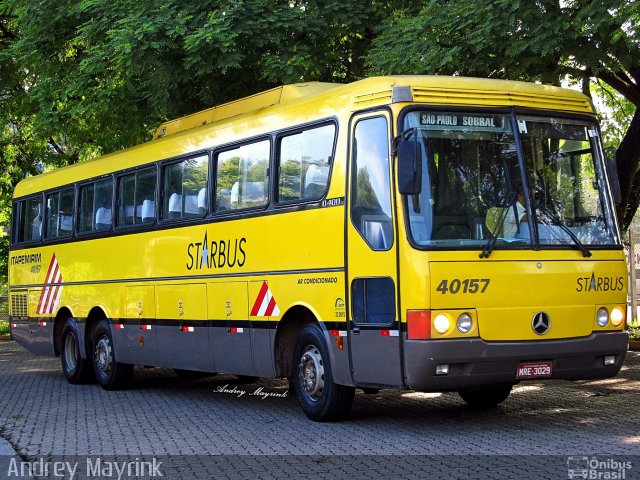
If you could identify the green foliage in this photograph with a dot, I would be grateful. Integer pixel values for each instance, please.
(615, 113)
(86, 77)
(4, 328)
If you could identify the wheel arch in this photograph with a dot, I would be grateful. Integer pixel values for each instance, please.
(287, 331)
(62, 316)
(96, 314)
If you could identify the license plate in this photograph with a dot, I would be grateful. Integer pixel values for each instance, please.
(534, 370)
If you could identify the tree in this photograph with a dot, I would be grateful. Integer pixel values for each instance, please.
(81, 78)
(533, 40)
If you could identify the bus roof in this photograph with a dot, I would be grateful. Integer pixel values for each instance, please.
(199, 130)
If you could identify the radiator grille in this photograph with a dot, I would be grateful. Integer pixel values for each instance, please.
(18, 305)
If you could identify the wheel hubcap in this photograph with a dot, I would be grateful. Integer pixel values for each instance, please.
(311, 371)
(102, 355)
(71, 351)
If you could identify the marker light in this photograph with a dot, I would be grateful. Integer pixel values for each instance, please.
(464, 323)
(602, 317)
(617, 316)
(441, 323)
(418, 324)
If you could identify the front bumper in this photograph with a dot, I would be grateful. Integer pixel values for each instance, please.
(475, 362)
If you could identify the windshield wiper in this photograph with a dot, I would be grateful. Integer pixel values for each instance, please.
(490, 245)
(558, 223)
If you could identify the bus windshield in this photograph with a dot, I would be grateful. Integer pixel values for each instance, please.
(474, 189)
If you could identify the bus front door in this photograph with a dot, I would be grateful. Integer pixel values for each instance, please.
(374, 337)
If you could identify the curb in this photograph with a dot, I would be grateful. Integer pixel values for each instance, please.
(634, 345)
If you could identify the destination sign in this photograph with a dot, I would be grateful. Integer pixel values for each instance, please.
(462, 121)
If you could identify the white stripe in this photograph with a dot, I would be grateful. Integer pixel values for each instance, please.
(54, 268)
(265, 303)
(45, 300)
(43, 305)
(57, 299)
(52, 297)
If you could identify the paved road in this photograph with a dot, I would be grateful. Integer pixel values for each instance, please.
(196, 426)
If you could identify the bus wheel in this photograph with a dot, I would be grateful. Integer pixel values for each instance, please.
(76, 370)
(320, 398)
(111, 375)
(486, 397)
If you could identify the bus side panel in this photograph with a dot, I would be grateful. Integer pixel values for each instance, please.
(262, 334)
(20, 332)
(40, 328)
(231, 332)
(138, 342)
(183, 335)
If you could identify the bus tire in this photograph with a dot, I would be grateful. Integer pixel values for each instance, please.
(110, 374)
(321, 399)
(76, 370)
(486, 397)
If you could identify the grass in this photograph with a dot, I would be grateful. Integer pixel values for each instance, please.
(634, 333)
(4, 329)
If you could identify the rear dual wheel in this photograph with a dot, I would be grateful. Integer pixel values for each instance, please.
(110, 374)
(76, 370)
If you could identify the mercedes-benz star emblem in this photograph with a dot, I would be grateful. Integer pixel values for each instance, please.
(541, 323)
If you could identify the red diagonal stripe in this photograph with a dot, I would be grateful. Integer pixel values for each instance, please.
(52, 290)
(52, 297)
(270, 307)
(256, 306)
(45, 289)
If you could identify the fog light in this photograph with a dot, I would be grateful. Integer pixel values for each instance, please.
(464, 323)
(602, 317)
(441, 323)
(617, 316)
(609, 360)
(442, 369)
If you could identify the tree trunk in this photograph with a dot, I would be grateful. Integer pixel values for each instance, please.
(627, 160)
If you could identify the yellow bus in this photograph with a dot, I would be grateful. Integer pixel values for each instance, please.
(413, 232)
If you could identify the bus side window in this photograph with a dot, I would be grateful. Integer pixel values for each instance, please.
(136, 198)
(242, 177)
(28, 224)
(371, 199)
(95, 206)
(184, 187)
(305, 159)
(59, 213)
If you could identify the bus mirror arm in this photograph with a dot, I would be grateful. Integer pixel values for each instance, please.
(409, 163)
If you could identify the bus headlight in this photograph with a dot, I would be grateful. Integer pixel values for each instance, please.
(464, 323)
(441, 323)
(602, 317)
(617, 316)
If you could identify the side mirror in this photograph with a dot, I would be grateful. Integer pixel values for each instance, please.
(409, 167)
(614, 181)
